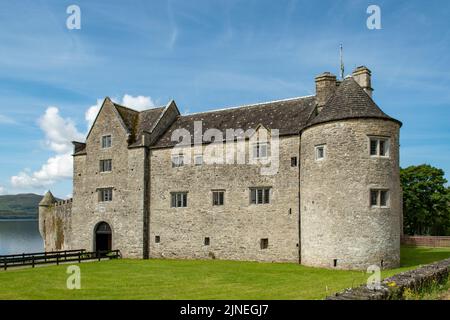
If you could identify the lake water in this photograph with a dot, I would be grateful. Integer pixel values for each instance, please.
(19, 236)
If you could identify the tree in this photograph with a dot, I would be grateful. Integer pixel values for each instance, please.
(426, 201)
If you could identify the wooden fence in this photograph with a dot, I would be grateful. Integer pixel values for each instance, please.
(54, 257)
(426, 241)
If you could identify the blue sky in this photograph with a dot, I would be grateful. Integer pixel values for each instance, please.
(206, 55)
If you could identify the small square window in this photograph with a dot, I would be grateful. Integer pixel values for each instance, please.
(207, 241)
(379, 198)
(260, 195)
(177, 161)
(179, 199)
(105, 195)
(320, 152)
(379, 147)
(264, 243)
(106, 141)
(218, 198)
(106, 165)
(293, 161)
(157, 239)
(198, 160)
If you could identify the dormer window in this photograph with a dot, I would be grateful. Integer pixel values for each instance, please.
(260, 150)
(177, 161)
(379, 147)
(106, 142)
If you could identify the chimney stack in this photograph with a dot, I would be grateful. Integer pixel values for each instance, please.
(362, 76)
(325, 88)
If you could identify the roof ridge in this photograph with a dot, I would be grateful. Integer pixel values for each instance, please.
(134, 110)
(349, 101)
(122, 106)
(249, 105)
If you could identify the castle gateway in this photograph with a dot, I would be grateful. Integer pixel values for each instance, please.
(322, 188)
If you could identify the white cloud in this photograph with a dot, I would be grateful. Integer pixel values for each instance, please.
(57, 168)
(2, 190)
(138, 103)
(59, 132)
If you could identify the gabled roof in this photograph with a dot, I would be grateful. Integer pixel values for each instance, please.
(138, 122)
(80, 148)
(288, 116)
(129, 117)
(134, 122)
(350, 101)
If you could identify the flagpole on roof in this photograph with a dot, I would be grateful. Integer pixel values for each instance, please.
(342, 62)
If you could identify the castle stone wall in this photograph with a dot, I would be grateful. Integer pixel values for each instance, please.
(337, 221)
(55, 225)
(235, 229)
(125, 213)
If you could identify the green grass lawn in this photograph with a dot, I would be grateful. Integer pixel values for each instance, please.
(193, 279)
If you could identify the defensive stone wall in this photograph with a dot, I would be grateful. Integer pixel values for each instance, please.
(402, 285)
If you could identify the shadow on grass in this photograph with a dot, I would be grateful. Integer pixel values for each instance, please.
(413, 256)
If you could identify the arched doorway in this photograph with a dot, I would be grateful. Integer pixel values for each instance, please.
(103, 237)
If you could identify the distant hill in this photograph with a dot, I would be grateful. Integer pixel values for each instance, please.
(20, 206)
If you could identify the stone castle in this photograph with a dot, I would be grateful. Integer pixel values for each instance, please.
(334, 200)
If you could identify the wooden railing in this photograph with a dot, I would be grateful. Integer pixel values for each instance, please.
(55, 257)
(426, 241)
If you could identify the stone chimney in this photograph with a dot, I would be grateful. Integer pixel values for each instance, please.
(362, 76)
(325, 88)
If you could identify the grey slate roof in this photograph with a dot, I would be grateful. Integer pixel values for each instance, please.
(80, 148)
(350, 101)
(135, 121)
(138, 122)
(289, 116)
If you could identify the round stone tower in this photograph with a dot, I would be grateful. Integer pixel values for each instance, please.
(350, 186)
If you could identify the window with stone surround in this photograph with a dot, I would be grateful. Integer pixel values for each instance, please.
(320, 152)
(260, 150)
(218, 197)
(198, 160)
(106, 141)
(379, 198)
(179, 199)
(379, 146)
(157, 239)
(207, 241)
(105, 194)
(260, 195)
(177, 161)
(106, 165)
